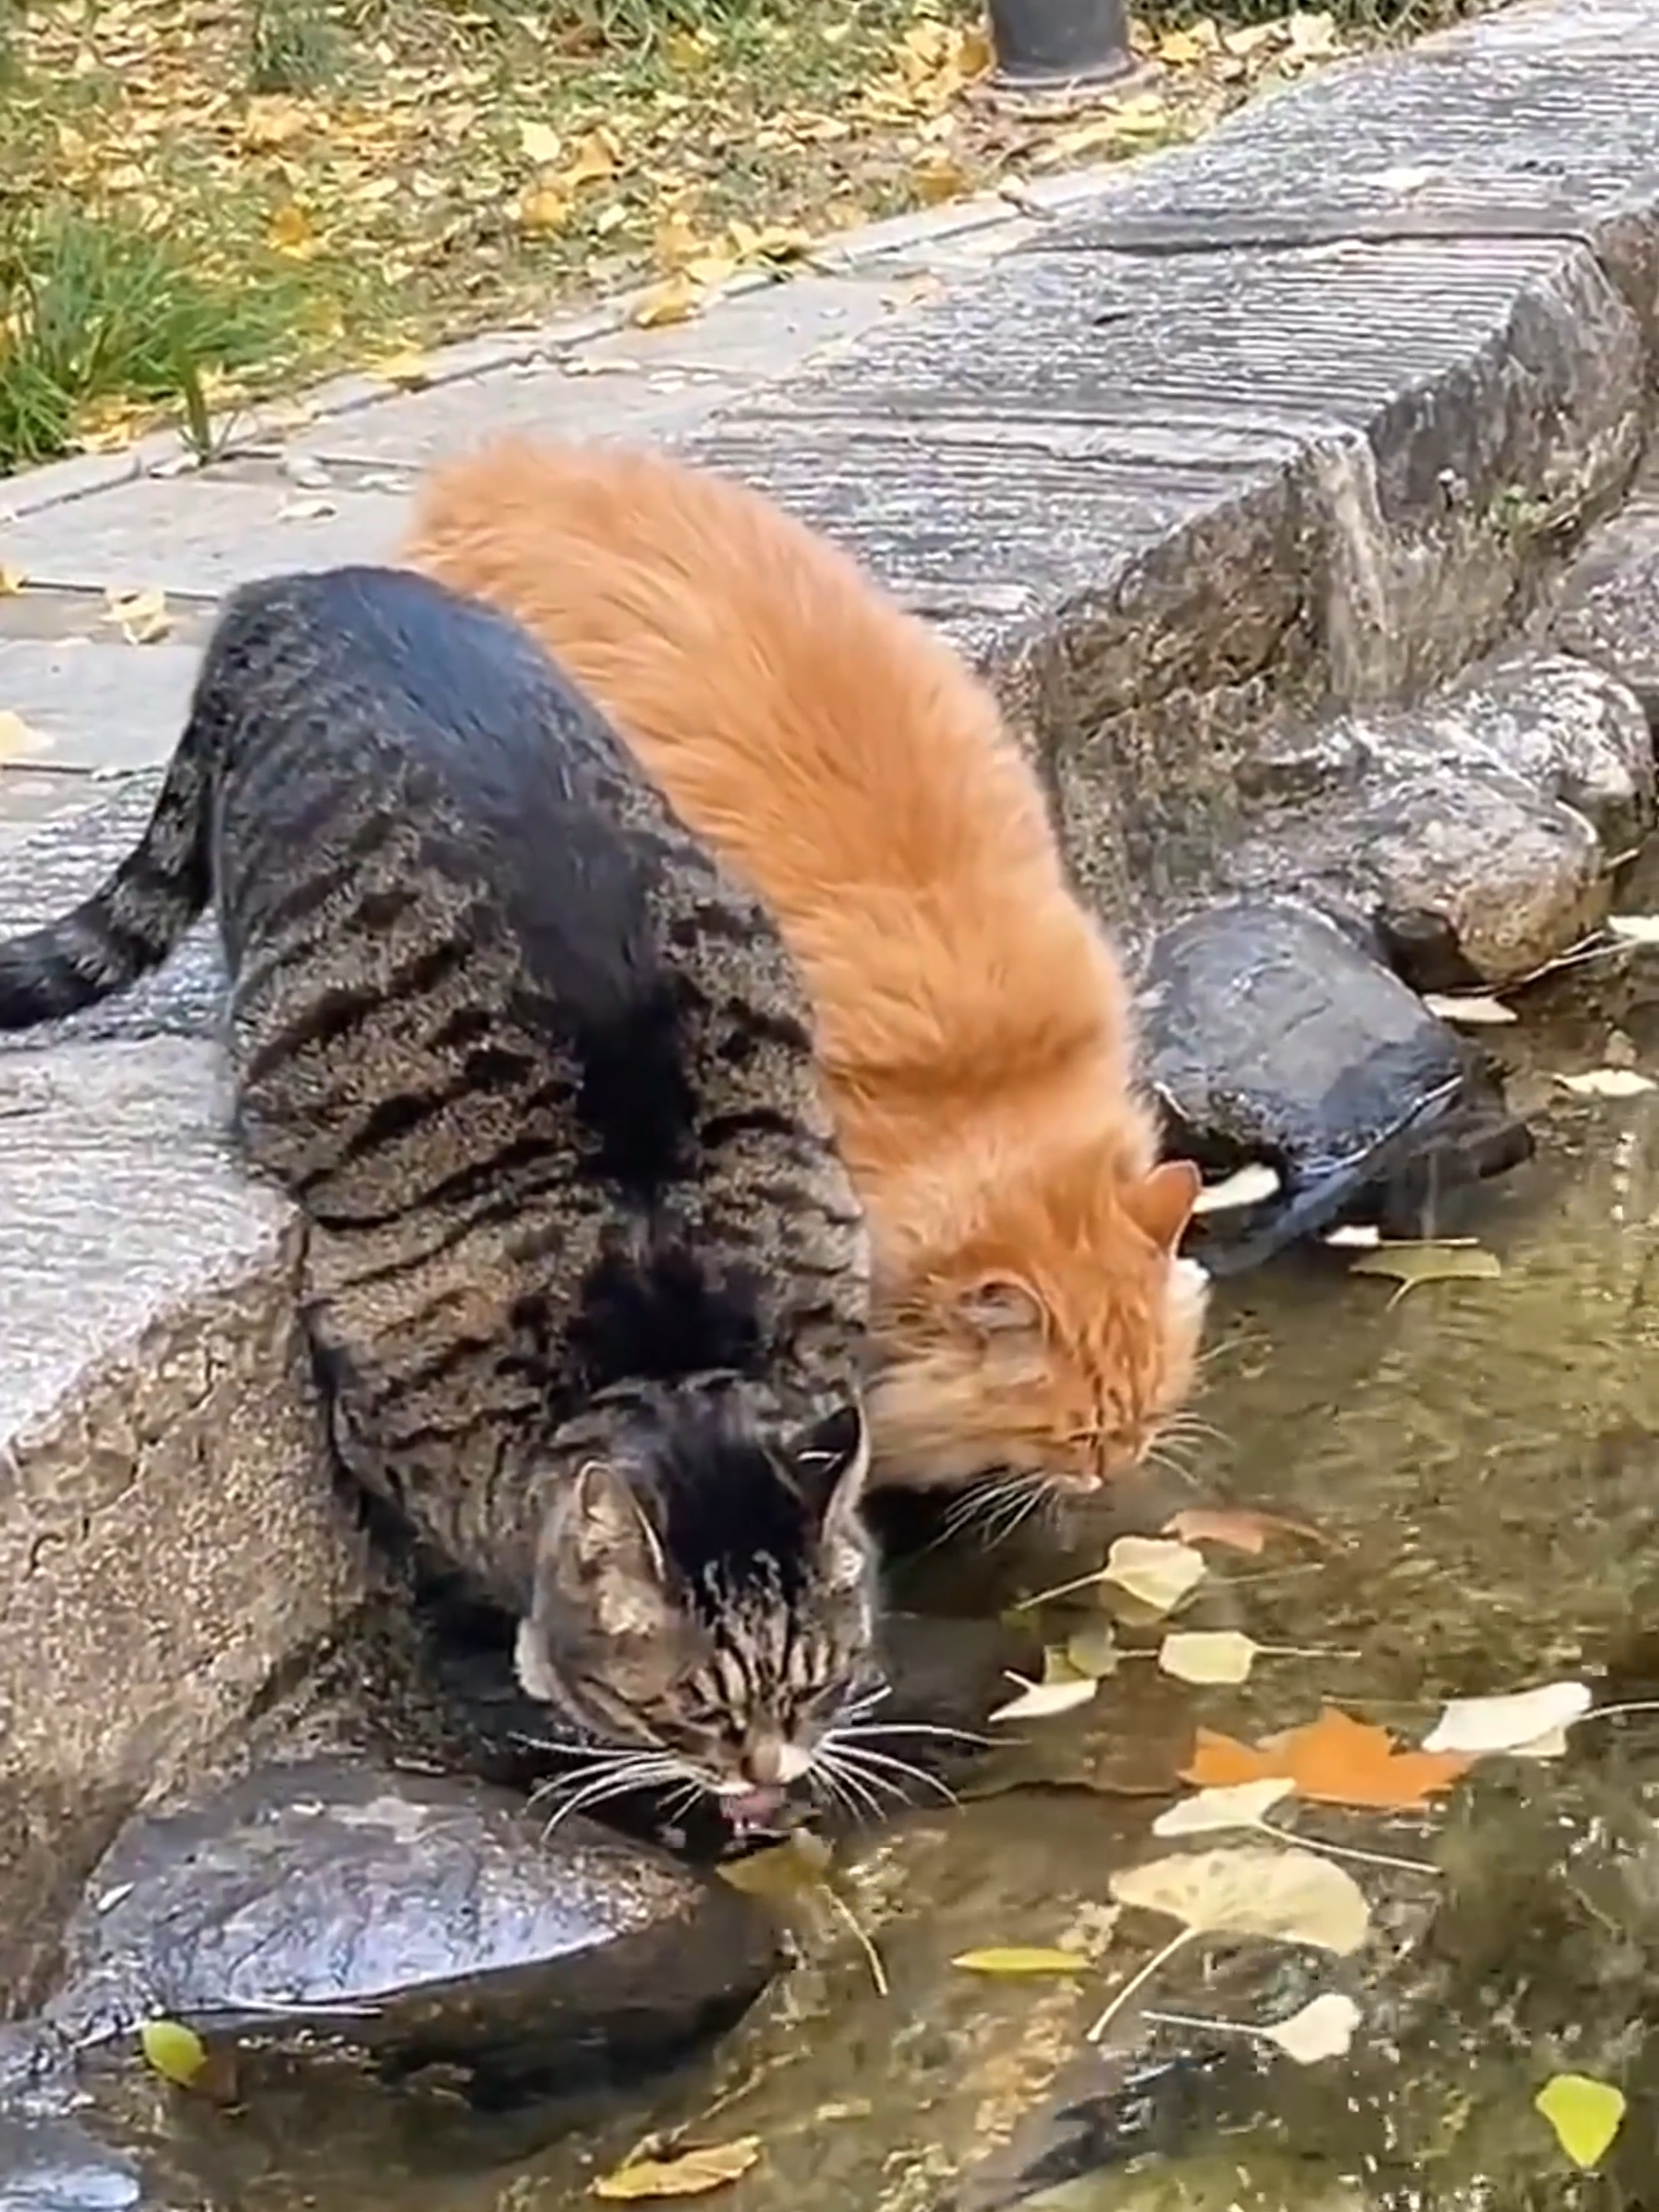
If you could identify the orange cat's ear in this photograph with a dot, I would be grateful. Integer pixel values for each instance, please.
(999, 1303)
(1163, 1203)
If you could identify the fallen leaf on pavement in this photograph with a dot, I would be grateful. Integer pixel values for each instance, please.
(676, 299)
(15, 735)
(1021, 1959)
(305, 507)
(142, 617)
(1515, 1721)
(12, 581)
(405, 371)
(1334, 1761)
(691, 2173)
(1585, 2114)
(1635, 928)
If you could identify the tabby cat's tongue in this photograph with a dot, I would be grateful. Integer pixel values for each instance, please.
(753, 1808)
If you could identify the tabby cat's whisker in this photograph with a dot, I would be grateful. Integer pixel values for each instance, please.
(618, 1781)
(848, 1786)
(884, 1764)
(915, 1727)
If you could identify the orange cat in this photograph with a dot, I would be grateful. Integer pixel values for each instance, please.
(1033, 1318)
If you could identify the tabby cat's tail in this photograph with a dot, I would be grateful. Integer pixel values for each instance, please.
(134, 919)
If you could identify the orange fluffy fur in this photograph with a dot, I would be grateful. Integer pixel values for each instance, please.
(1032, 1317)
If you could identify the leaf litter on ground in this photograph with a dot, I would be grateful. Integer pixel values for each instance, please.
(1607, 1082)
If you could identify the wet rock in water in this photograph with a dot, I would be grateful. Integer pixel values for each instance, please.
(1473, 833)
(411, 1920)
(1269, 1034)
(53, 2166)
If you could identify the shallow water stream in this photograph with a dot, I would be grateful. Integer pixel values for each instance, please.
(1485, 1457)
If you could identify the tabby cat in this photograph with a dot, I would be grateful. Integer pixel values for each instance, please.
(1037, 1326)
(584, 1279)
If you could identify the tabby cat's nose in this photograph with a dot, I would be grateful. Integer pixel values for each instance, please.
(770, 1763)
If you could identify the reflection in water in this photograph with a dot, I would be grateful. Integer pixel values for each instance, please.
(1488, 1455)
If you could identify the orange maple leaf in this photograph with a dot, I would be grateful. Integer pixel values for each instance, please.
(1334, 1761)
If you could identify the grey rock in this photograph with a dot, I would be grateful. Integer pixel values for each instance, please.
(1271, 1035)
(54, 2165)
(1608, 610)
(416, 1919)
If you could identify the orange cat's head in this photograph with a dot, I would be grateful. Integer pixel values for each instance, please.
(1055, 1344)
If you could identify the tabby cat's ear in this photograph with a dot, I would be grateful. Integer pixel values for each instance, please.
(616, 1557)
(999, 1303)
(1163, 1203)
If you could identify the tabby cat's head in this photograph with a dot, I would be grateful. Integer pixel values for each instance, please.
(704, 1599)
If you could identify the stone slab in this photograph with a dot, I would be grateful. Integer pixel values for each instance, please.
(92, 705)
(762, 336)
(200, 534)
(543, 399)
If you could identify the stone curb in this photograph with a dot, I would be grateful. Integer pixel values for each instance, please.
(1219, 475)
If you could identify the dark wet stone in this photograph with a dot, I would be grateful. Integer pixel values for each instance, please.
(409, 1920)
(1270, 1034)
(53, 2166)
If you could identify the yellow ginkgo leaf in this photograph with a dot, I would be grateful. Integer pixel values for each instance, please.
(1585, 2114)
(544, 209)
(1020, 1959)
(676, 299)
(177, 2053)
(691, 2173)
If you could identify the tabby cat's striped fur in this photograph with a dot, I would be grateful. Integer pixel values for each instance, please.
(583, 1275)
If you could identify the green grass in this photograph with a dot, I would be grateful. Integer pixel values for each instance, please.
(90, 310)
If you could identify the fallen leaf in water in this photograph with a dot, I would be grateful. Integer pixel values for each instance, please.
(1208, 1656)
(1585, 2114)
(1240, 1805)
(15, 735)
(1410, 1264)
(1469, 1009)
(177, 2053)
(1635, 928)
(1353, 1237)
(1021, 1959)
(142, 617)
(1093, 1652)
(1039, 1701)
(1292, 1896)
(1249, 1187)
(1553, 1744)
(1515, 1721)
(1322, 2029)
(1607, 1082)
(692, 2173)
(1155, 1569)
(801, 1862)
(1334, 1761)
(1237, 1527)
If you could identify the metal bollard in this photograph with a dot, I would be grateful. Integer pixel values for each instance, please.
(1042, 45)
